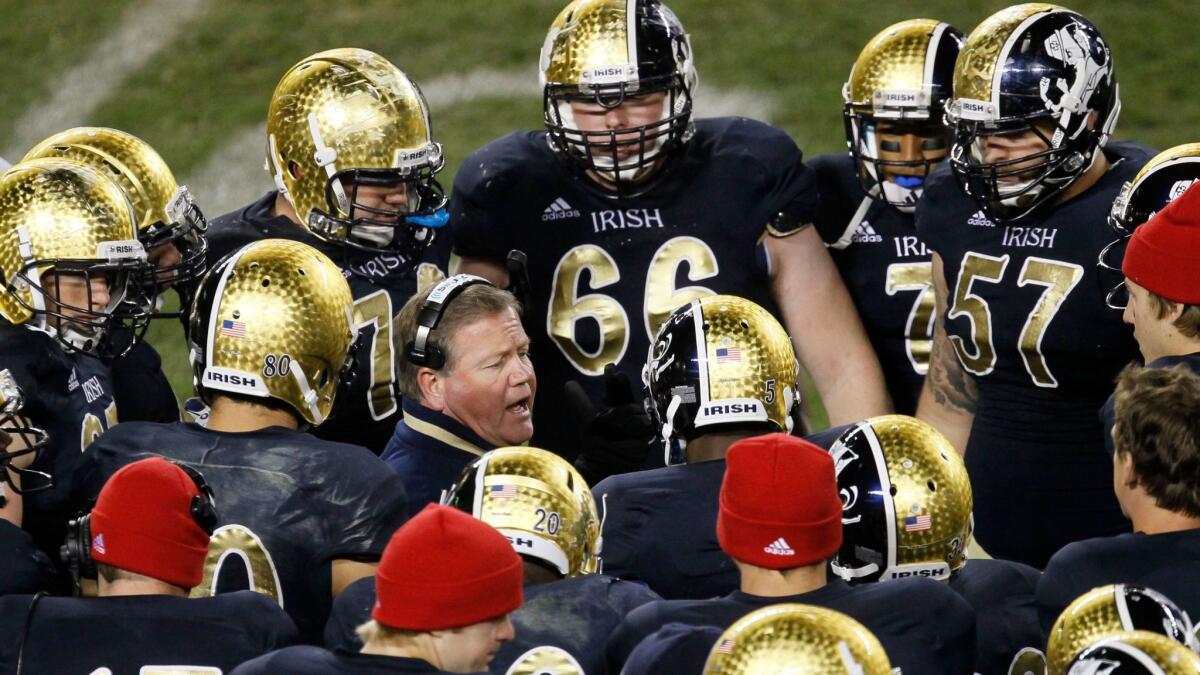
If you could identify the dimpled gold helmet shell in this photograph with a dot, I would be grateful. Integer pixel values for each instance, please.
(274, 320)
(539, 501)
(906, 501)
(60, 214)
(1108, 609)
(797, 639)
(343, 110)
(1149, 652)
(720, 360)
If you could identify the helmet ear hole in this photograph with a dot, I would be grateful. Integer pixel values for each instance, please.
(932, 486)
(892, 490)
(295, 169)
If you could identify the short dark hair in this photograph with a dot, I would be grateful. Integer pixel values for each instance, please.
(472, 304)
(1158, 424)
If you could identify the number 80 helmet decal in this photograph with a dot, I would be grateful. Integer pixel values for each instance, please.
(273, 320)
(537, 500)
(721, 361)
(906, 501)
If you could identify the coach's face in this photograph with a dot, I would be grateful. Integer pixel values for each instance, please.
(489, 383)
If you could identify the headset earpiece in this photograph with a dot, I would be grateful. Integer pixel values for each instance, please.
(421, 351)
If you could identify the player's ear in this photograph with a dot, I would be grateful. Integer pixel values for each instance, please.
(432, 387)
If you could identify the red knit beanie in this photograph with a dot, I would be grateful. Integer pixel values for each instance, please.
(779, 503)
(445, 569)
(143, 523)
(1163, 255)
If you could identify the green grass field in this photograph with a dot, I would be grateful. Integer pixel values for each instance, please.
(193, 77)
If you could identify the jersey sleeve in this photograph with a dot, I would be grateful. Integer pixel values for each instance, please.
(929, 217)
(676, 647)
(274, 629)
(790, 185)
(478, 213)
(24, 568)
(1057, 588)
(350, 610)
(365, 504)
(640, 623)
(831, 214)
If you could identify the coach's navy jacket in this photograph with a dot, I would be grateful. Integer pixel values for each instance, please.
(429, 450)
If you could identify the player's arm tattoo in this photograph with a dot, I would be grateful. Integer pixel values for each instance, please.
(950, 384)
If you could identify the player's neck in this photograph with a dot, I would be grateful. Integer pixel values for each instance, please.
(768, 583)
(284, 208)
(1172, 344)
(410, 648)
(124, 587)
(713, 446)
(1088, 178)
(1150, 519)
(539, 574)
(233, 416)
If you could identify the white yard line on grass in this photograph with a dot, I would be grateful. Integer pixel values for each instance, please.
(143, 31)
(233, 175)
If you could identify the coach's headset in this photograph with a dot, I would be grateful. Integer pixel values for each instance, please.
(421, 350)
(76, 551)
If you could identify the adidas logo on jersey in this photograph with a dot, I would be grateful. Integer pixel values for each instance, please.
(558, 210)
(779, 547)
(865, 234)
(980, 220)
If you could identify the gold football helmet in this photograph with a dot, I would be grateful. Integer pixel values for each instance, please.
(1135, 653)
(165, 211)
(32, 438)
(1116, 607)
(60, 219)
(605, 52)
(795, 638)
(719, 360)
(901, 80)
(1169, 174)
(539, 501)
(273, 320)
(906, 501)
(347, 118)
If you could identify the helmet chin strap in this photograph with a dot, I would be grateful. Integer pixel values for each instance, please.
(310, 396)
(668, 428)
(849, 574)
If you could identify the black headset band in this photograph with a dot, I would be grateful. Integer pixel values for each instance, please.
(420, 350)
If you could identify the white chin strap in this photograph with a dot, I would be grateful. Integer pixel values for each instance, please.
(310, 396)
(668, 428)
(849, 573)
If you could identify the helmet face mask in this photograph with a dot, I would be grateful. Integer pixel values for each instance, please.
(624, 59)
(719, 362)
(894, 102)
(63, 304)
(32, 438)
(1042, 76)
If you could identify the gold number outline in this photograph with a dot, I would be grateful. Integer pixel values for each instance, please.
(976, 309)
(915, 276)
(1049, 274)
(545, 660)
(603, 273)
(664, 266)
(92, 428)
(178, 670)
(220, 548)
(376, 310)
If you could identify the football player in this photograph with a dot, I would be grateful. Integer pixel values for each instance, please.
(1156, 467)
(674, 647)
(69, 254)
(721, 369)
(1024, 349)
(894, 104)
(797, 638)
(23, 567)
(906, 512)
(446, 588)
(171, 228)
(1104, 611)
(301, 517)
(1135, 653)
(653, 209)
(355, 166)
(147, 538)
(542, 504)
(1158, 296)
(782, 547)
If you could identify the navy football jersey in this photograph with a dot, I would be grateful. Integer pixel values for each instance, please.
(575, 616)
(68, 395)
(1109, 412)
(317, 661)
(367, 409)
(605, 272)
(1001, 593)
(24, 568)
(886, 268)
(660, 527)
(141, 388)
(923, 626)
(674, 648)
(289, 504)
(1169, 563)
(1027, 319)
(139, 634)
